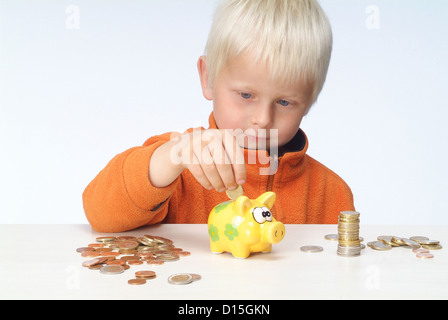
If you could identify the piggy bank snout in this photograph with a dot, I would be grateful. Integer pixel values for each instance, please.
(273, 232)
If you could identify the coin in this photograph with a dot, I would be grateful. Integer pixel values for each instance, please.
(154, 261)
(418, 238)
(413, 244)
(110, 254)
(180, 278)
(116, 263)
(424, 255)
(96, 245)
(125, 238)
(92, 262)
(331, 237)
(196, 276)
(112, 269)
(96, 267)
(420, 250)
(379, 245)
(137, 281)
(145, 274)
(90, 254)
(168, 257)
(311, 249)
(430, 242)
(349, 251)
(432, 246)
(85, 249)
(128, 245)
(399, 241)
(234, 194)
(105, 239)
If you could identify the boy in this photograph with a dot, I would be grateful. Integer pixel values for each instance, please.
(265, 65)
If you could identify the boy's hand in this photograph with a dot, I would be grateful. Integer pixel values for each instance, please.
(214, 157)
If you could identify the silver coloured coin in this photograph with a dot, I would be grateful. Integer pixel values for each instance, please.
(312, 249)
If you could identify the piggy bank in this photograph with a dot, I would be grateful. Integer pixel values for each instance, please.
(243, 226)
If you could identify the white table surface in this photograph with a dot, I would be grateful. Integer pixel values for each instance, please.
(41, 262)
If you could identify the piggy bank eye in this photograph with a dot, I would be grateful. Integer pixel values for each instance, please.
(259, 215)
(267, 214)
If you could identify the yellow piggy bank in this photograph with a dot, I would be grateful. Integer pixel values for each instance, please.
(244, 226)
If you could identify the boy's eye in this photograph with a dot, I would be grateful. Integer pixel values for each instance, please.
(283, 103)
(246, 95)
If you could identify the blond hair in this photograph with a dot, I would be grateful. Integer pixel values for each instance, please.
(293, 37)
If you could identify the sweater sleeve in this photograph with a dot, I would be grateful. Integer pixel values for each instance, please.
(121, 197)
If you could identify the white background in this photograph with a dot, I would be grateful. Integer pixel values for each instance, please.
(75, 90)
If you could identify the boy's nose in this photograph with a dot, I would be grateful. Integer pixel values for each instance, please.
(263, 117)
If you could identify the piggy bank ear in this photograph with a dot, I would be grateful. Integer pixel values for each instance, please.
(242, 204)
(267, 198)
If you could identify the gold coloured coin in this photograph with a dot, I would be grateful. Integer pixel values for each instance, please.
(430, 242)
(105, 239)
(398, 241)
(234, 194)
(432, 246)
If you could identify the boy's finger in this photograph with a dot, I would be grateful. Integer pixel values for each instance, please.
(236, 155)
(210, 170)
(224, 166)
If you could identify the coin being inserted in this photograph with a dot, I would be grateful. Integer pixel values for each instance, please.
(234, 194)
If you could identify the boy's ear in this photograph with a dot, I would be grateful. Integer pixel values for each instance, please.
(203, 75)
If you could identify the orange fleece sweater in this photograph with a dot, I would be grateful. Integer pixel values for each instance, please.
(122, 198)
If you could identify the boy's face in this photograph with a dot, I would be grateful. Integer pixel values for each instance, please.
(245, 98)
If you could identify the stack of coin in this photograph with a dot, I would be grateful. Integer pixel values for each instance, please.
(349, 244)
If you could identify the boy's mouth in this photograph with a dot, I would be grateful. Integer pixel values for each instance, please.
(256, 138)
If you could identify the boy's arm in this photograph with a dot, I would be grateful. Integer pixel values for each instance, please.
(121, 197)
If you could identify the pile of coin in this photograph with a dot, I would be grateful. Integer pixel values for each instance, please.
(420, 245)
(349, 243)
(106, 252)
